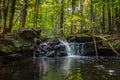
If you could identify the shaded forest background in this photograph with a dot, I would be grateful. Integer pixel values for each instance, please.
(58, 18)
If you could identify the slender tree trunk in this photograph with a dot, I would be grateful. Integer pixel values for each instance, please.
(0, 15)
(5, 11)
(73, 10)
(61, 18)
(113, 22)
(118, 19)
(93, 32)
(109, 19)
(35, 11)
(24, 15)
(12, 15)
(81, 11)
(112, 17)
(103, 18)
(91, 12)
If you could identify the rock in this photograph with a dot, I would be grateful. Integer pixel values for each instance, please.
(11, 57)
(23, 45)
(29, 34)
(7, 46)
(81, 39)
(12, 46)
(61, 53)
(51, 54)
(51, 48)
(18, 44)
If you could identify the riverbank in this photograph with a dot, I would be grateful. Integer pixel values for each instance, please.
(21, 44)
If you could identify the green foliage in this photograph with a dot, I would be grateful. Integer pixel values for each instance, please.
(47, 14)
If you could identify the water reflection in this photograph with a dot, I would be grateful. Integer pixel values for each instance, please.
(66, 68)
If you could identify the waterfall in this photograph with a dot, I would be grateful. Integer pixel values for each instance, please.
(82, 50)
(68, 48)
(74, 48)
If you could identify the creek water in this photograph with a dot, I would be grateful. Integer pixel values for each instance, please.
(71, 67)
(74, 49)
(65, 68)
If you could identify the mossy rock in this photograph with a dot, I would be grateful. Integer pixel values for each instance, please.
(12, 46)
(23, 45)
(7, 48)
(29, 34)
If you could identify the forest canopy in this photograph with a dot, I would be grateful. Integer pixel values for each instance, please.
(60, 17)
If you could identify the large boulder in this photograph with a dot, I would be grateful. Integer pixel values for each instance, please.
(19, 41)
(12, 46)
(51, 48)
(18, 44)
(7, 46)
(29, 34)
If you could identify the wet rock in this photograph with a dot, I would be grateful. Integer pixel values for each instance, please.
(61, 53)
(51, 48)
(57, 49)
(11, 57)
(51, 54)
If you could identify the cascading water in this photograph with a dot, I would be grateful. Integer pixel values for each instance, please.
(74, 48)
(65, 48)
(68, 48)
(82, 50)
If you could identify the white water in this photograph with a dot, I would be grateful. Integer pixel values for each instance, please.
(82, 48)
(68, 48)
(74, 49)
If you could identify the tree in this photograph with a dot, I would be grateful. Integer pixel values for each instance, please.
(24, 14)
(81, 12)
(13, 4)
(61, 17)
(0, 17)
(109, 17)
(103, 17)
(5, 12)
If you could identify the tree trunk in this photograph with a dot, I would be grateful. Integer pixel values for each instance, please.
(91, 12)
(61, 18)
(73, 10)
(118, 19)
(103, 18)
(12, 15)
(37, 2)
(109, 19)
(93, 32)
(5, 11)
(81, 11)
(0, 17)
(24, 15)
(35, 9)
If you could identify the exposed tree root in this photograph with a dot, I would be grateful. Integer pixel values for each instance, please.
(106, 40)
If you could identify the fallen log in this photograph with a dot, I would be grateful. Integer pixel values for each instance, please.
(106, 40)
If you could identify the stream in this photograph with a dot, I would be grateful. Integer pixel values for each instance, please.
(64, 68)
